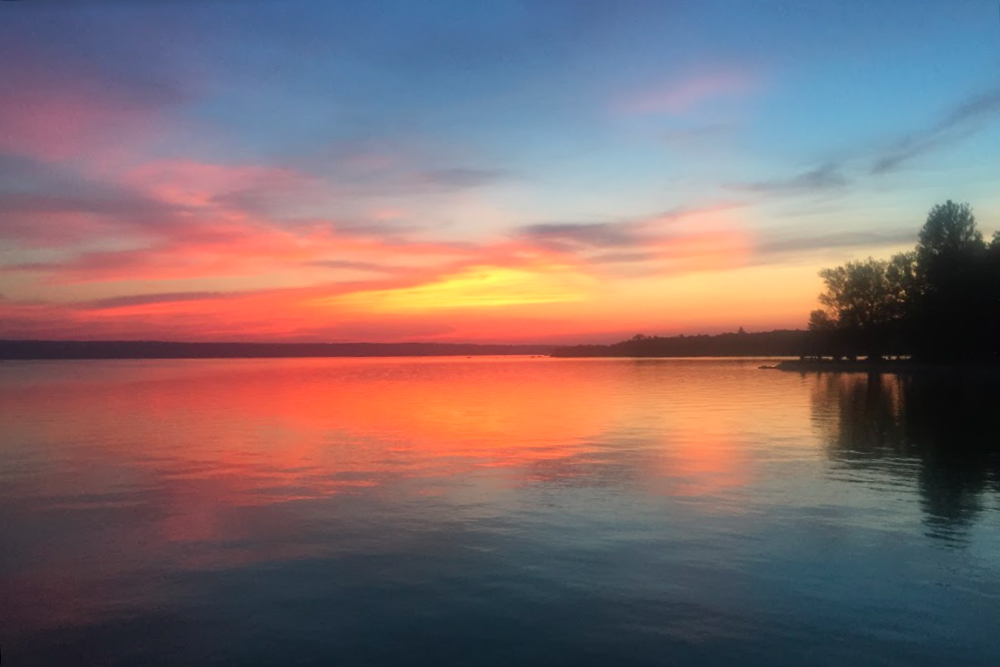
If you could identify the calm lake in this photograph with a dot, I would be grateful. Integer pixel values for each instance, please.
(495, 511)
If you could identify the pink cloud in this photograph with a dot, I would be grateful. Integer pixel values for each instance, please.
(171, 232)
(680, 96)
(194, 184)
(55, 114)
(207, 239)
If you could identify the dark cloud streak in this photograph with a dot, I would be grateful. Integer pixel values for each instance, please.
(777, 245)
(166, 297)
(568, 235)
(824, 178)
(966, 119)
(33, 192)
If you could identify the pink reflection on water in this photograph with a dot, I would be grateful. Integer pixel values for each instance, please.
(133, 469)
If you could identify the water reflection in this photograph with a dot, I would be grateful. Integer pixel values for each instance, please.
(492, 511)
(115, 474)
(943, 431)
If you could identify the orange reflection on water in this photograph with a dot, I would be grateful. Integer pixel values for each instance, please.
(264, 431)
(702, 464)
(219, 464)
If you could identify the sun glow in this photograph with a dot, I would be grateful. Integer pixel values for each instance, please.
(476, 287)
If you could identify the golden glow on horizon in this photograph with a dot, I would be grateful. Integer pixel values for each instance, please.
(476, 287)
(485, 304)
(215, 271)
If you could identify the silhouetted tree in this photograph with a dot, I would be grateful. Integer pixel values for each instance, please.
(819, 320)
(950, 233)
(951, 257)
(822, 335)
(939, 302)
(906, 291)
(993, 296)
(861, 299)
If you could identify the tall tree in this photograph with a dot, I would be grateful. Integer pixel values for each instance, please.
(823, 337)
(950, 231)
(993, 297)
(950, 262)
(906, 293)
(859, 298)
(941, 301)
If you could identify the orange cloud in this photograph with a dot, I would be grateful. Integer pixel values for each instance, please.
(191, 251)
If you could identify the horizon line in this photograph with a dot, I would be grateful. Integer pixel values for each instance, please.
(4, 340)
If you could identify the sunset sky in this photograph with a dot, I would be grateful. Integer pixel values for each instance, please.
(576, 170)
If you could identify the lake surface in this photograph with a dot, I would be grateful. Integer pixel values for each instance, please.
(495, 511)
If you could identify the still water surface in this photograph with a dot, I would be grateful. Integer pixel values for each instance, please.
(495, 511)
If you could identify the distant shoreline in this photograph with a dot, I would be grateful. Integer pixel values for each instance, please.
(777, 343)
(39, 350)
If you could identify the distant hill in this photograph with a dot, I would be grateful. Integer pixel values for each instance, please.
(781, 343)
(53, 349)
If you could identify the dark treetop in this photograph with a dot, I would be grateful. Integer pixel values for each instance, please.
(938, 303)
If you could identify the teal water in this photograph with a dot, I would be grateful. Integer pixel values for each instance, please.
(495, 511)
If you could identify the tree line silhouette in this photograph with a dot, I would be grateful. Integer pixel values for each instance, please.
(937, 303)
(779, 343)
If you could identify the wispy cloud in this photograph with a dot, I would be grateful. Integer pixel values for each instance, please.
(462, 177)
(681, 95)
(676, 241)
(570, 236)
(779, 244)
(46, 204)
(824, 178)
(967, 118)
(699, 136)
(351, 265)
(147, 299)
(59, 104)
(399, 166)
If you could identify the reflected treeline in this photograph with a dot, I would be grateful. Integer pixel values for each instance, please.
(942, 429)
(940, 302)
